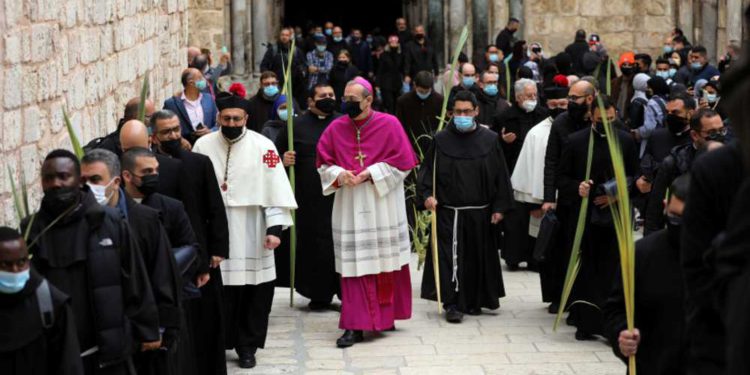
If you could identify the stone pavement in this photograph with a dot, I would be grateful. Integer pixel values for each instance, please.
(516, 339)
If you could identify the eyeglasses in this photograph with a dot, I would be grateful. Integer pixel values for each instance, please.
(722, 132)
(228, 119)
(17, 263)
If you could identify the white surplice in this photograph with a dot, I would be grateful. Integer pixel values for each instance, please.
(528, 176)
(258, 196)
(370, 230)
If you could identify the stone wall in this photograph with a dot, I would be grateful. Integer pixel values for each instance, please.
(623, 25)
(86, 56)
(210, 28)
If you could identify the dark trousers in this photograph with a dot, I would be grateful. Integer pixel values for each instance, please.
(91, 367)
(389, 100)
(205, 317)
(516, 237)
(247, 310)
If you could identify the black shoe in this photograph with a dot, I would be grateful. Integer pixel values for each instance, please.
(349, 338)
(319, 305)
(513, 267)
(553, 308)
(584, 336)
(247, 357)
(452, 315)
(475, 312)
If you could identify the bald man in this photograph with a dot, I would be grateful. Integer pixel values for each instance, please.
(192, 52)
(111, 141)
(134, 134)
(195, 109)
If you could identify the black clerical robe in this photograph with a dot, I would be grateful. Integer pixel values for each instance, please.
(472, 183)
(316, 276)
(599, 252)
(659, 306)
(27, 347)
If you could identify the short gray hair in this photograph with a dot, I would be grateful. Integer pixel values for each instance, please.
(163, 114)
(365, 92)
(100, 155)
(522, 84)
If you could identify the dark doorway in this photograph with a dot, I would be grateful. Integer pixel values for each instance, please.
(345, 13)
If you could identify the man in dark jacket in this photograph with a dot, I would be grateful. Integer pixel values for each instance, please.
(705, 125)
(36, 320)
(659, 336)
(504, 40)
(361, 54)
(576, 50)
(418, 111)
(390, 73)
(111, 141)
(261, 105)
(207, 214)
(89, 253)
(419, 55)
(276, 59)
(100, 169)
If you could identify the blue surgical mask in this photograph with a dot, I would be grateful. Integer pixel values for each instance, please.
(494, 57)
(270, 91)
(467, 81)
(490, 89)
(424, 96)
(321, 48)
(668, 49)
(696, 65)
(463, 123)
(13, 282)
(711, 98)
(338, 38)
(329, 32)
(663, 74)
(283, 114)
(201, 85)
(672, 72)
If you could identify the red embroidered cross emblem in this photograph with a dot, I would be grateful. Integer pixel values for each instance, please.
(271, 159)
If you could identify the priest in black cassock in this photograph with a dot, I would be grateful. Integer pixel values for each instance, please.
(471, 194)
(659, 337)
(316, 276)
(30, 345)
(599, 253)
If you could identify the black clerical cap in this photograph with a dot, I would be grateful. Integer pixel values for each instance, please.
(556, 92)
(226, 100)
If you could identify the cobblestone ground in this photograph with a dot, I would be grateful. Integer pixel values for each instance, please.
(517, 339)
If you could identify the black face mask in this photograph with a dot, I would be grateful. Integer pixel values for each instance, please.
(171, 147)
(716, 137)
(326, 105)
(676, 124)
(576, 111)
(149, 184)
(627, 70)
(352, 109)
(419, 36)
(57, 200)
(342, 64)
(556, 112)
(233, 132)
(599, 128)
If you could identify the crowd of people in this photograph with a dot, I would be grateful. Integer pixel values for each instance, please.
(162, 246)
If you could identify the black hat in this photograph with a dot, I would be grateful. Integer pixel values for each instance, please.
(226, 100)
(555, 92)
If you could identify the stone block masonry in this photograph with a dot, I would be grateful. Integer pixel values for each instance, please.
(86, 56)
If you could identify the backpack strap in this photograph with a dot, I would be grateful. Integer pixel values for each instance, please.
(46, 310)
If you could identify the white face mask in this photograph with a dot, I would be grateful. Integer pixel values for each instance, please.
(529, 105)
(100, 192)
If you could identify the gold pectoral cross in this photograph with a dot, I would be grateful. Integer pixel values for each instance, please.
(361, 157)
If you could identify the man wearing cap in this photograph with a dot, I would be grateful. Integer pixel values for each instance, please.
(258, 200)
(363, 158)
(319, 62)
(622, 86)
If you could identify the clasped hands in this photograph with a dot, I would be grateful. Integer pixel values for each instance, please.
(347, 178)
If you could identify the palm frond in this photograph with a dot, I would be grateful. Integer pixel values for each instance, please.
(292, 174)
(77, 149)
(449, 86)
(144, 97)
